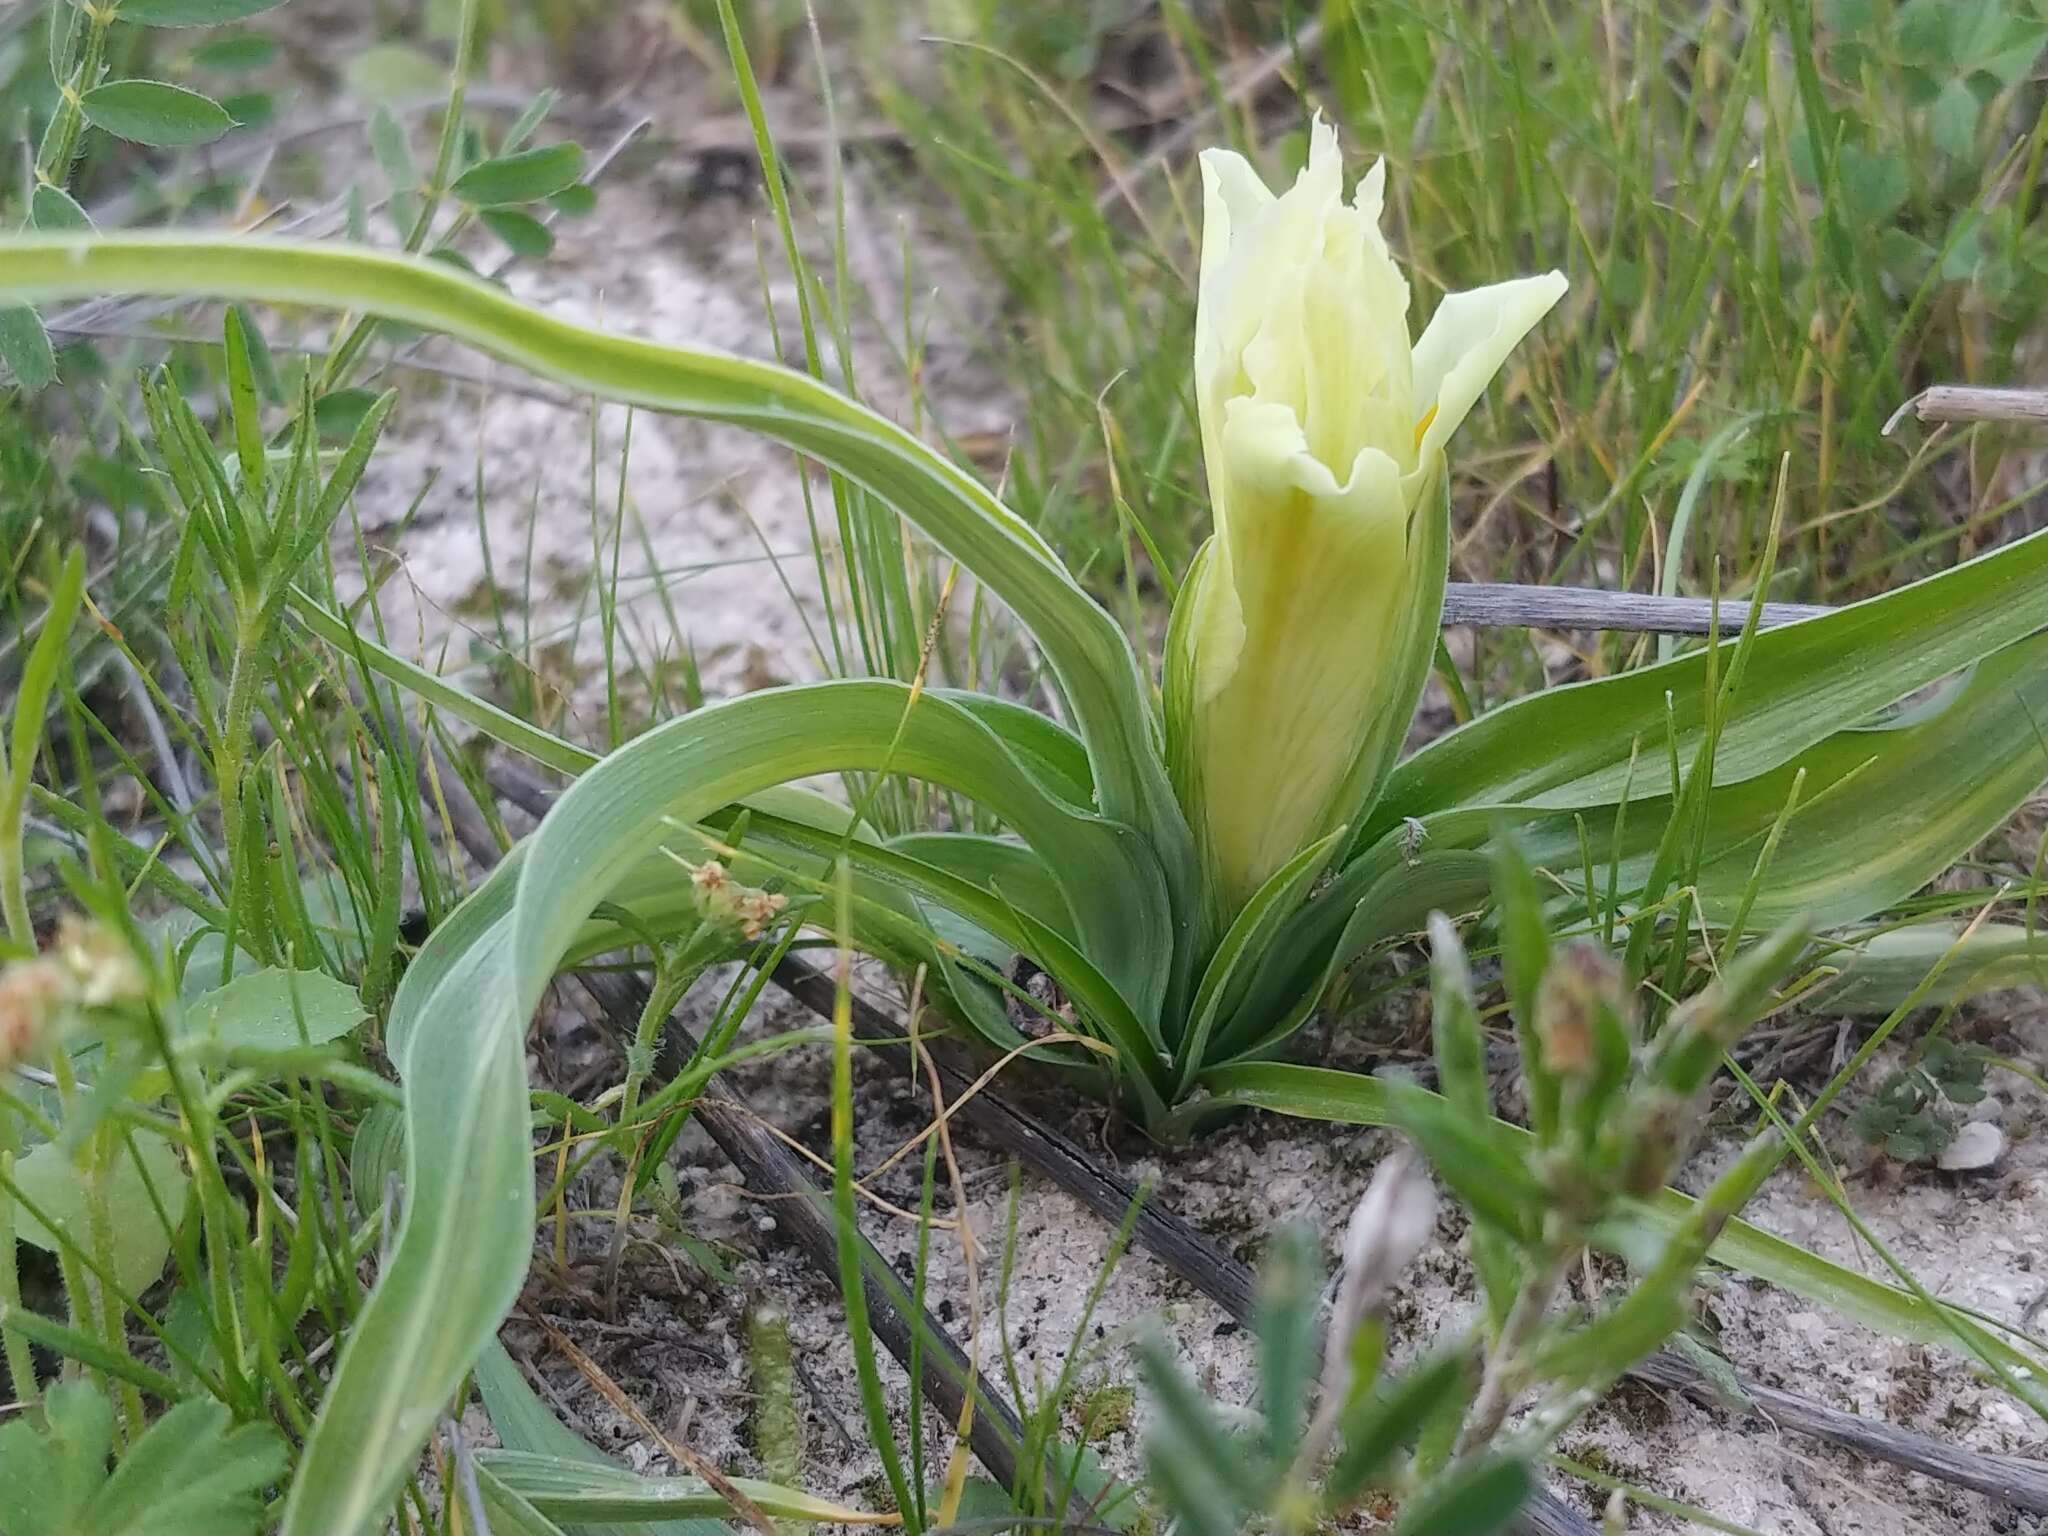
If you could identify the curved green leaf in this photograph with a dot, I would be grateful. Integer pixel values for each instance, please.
(1054, 754)
(1881, 972)
(1569, 746)
(525, 1423)
(1088, 653)
(460, 1017)
(1845, 853)
(581, 1491)
(686, 769)
(461, 1246)
(1249, 934)
(1000, 865)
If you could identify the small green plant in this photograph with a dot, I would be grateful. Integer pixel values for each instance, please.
(1916, 1111)
(155, 113)
(1337, 1431)
(1613, 1113)
(191, 1473)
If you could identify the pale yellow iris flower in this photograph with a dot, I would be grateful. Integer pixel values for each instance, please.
(1323, 430)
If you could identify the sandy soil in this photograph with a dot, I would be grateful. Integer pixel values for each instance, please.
(666, 259)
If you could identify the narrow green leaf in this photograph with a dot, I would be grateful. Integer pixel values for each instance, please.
(39, 674)
(1226, 975)
(528, 122)
(1377, 1426)
(245, 408)
(393, 151)
(1570, 746)
(1885, 969)
(155, 112)
(1469, 1500)
(572, 1489)
(525, 1423)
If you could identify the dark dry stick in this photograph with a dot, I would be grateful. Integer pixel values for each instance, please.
(804, 1212)
(2018, 1481)
(1510, 605)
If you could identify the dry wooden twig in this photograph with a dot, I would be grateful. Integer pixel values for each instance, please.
(1968, 403)
(1509, 605)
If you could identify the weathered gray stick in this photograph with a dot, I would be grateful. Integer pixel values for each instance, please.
(2018, 1481)
(1966, 402)
(1507, 605)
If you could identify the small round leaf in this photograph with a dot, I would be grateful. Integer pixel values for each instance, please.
(192, 13)
(521, 178)
(522, 232)
(154, 112)
(56, 211)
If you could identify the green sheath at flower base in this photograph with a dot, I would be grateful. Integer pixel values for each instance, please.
(1291, 686)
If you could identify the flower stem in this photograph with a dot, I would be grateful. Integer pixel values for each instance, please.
(1503, 1376)
(59, 149)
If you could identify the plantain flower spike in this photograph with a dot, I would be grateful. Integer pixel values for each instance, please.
(1304, 633)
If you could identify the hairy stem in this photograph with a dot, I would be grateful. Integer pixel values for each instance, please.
(1504, 1370)
(59, 149)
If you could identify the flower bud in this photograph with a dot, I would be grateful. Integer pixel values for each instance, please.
(1300, 643)
(33, 993)
(1394, 1219)
(99, 962)
(1581, 1007)
(725, 901)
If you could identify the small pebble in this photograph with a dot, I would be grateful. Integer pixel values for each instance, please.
(1976, 1146)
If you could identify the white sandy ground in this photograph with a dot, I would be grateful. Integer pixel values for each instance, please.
(1971, 1240)
(659, 262)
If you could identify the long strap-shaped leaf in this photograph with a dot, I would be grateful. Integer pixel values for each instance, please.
(1846, 852)
(688, 768)
(1569, 746)
(1096, 668)
(460, 1017)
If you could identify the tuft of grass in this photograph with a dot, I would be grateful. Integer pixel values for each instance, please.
(1779, 219)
